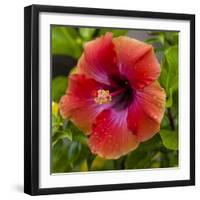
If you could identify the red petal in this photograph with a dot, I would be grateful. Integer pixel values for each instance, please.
(146, 112)
(136, 61)
(78, 104)
(99, 59)
(110, 137)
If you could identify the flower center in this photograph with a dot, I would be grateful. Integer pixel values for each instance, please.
(120, 97)
(103, 96)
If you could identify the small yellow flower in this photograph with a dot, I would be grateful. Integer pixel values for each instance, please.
(54, 108)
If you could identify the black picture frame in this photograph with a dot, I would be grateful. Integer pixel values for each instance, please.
(31, 98)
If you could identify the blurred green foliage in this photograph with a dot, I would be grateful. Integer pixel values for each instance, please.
(168, 43)
(65, 41)
(69, 150)
(59, 86)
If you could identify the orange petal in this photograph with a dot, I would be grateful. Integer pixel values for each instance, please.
(99, 59)
(136, 61)
(146, 112)
(110, 137)
(78, 104)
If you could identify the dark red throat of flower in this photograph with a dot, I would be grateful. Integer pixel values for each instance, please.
(121, 96)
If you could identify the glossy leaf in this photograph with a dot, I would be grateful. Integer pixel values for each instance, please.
(78, 135)
(102, 164)
(73, 151)
(59, 85)
(61, 135)
(172, 60)
(84, 166)
(87, 33)
(65, 41)
(56, 123)
(164, 73)
(169, 101)
(60, 161)
(169, 138)
(143, 156)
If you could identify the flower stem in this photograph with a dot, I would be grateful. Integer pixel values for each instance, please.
(171, 120)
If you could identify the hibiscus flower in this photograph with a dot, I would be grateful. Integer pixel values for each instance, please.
(114, 96)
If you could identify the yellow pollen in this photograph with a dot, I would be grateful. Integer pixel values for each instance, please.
(103, 96)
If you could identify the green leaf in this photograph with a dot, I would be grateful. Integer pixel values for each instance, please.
(61, 135)
(159, 39)
(164, 73)
(69, 156)
(165, 121)
(154, 143)
(59, 85)
(169, 138)
(171, 55)
(116, 32)
(169, 73)
(137, 160)
(98, 163)
(169, 101)
(102, 164)
(73, 71)
(84, 166)
(74, 151)
(87, 33)
(56, 122)
(172, 38)
(173, 158)
(84, 154)
(60, 161)
(78, 135)
(143, 156)
(159, 50)
(66, 41)
(152, 40)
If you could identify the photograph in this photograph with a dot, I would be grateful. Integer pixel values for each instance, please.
(109, 99)
(114, 99)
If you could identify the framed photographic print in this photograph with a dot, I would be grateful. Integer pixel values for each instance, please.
(109, 100)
